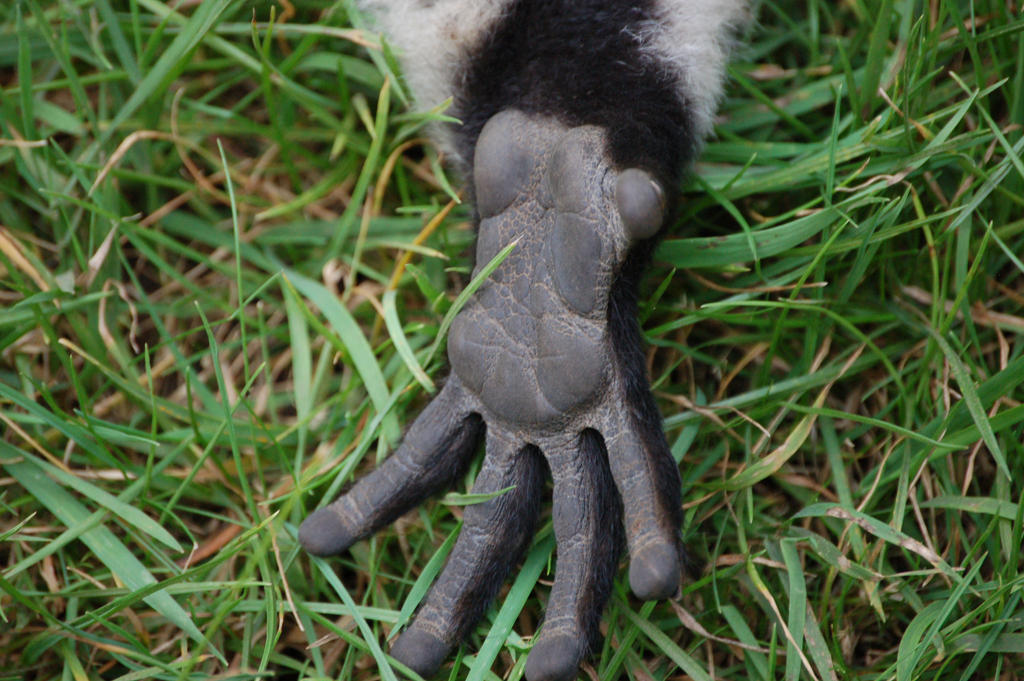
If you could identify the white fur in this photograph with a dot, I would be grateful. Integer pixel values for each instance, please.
(434, 40)
(692, 38)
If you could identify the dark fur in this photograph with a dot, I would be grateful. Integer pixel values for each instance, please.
(520, 509)
(448, 462)
(610, 542)
(578, 61)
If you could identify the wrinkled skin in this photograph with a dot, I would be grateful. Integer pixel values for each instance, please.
(534, 372)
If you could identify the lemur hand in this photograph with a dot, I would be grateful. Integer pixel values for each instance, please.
(537, 372)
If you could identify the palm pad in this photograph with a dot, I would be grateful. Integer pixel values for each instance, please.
(533, 342)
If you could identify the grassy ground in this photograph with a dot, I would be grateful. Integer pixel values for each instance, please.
(220, 288)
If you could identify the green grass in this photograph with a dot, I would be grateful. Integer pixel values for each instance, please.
(201, 218)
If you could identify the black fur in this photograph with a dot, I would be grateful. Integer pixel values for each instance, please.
(609, 544)
(518, 526)
(580, 61)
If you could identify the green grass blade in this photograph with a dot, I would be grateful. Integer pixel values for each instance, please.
(512, 606)
(351, 336)
(106, 546)
(880, 530)
(383, 666)
(171, 61)
(422, 584)
(796, 618)
(460, 301)
(668, 647)
(971, 399)
(125, 512)
(394, 327)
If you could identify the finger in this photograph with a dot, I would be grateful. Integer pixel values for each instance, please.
(589, 534)
(494, 535)
(648, 482)
(434, 451)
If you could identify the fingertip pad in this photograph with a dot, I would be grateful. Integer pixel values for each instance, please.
(654, 573)
(554, 658)
(420, 651)
(323, 534)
